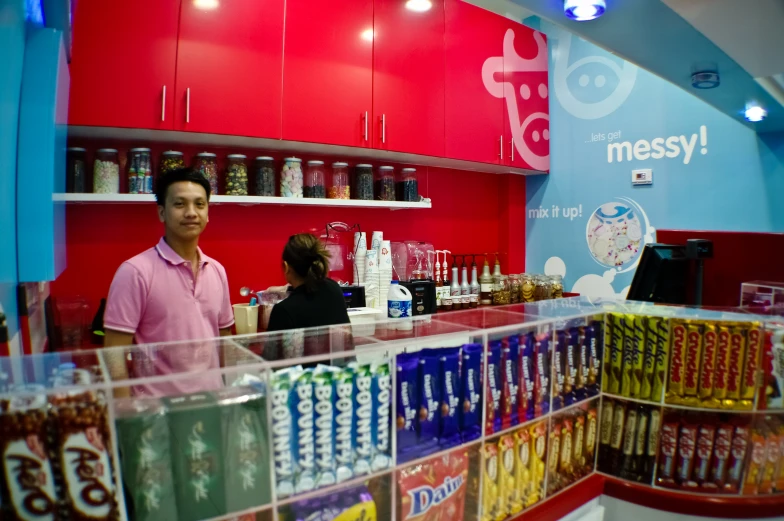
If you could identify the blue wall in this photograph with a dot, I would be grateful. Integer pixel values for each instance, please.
(607, 117)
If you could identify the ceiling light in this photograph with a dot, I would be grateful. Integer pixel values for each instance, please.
(420, 6)
(756, 113)
(367, 35)
(206, 4)
(584, 10)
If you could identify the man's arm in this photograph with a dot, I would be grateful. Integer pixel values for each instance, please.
(226, 331)
(115, 358)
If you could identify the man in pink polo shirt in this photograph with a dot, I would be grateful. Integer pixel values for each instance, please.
(171, 292)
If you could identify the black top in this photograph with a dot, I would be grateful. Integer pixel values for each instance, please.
(326, 306)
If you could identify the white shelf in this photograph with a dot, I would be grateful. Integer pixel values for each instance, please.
(245, 200)
(338, 152)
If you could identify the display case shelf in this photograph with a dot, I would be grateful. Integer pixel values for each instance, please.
(244, 200)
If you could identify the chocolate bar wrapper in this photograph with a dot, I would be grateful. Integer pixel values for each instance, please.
(429, 385)
(283, 432)
(471, 392)
(301, 404)
(405, 415)
(738, 338)
(691, 371)
(542, 378)
(506, 480)
(638, 354)
(565, 463)
(662, 358)
(605, 434)
(574, 352)
(722, 446)
(756, 461)
(591, 431)
(538, 434)
(708, 366)
(382, 405)
(343, 390)
(751, 366)
(616, 352)
(490, 496)
(493, 411)
(522, 474)
(772, 456)
(705, 441)
(449, 432)
(578, 445)
(780, 469)
(527, 376)
(323, 422)
(555, 480)
(594, 338)
(560, 378)
(197, 452)
(607, 343)
(510, 389)
(649, 358)
(628, 444)
(629, 350)
(687, 449)
(721, 376)
(615, 452)
(741, 437)
(640, 444)
(652, 445)
(675, 382)
(28, 484)
(668, 453)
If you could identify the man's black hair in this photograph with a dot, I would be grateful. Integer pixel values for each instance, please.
(176, 176)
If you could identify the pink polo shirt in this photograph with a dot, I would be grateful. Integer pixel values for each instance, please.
(156, 297)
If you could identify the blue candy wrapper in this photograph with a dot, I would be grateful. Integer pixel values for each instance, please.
(343, 381)
(560, 370)
(449, 431)
(301, 405)
(407, 404)
(510, 414)
(595, 340)
(429, 383)
(572, 364)
(324, 422)
(363, 419)
(528, 373)
(542, 382)
(471, 392)
(283, 436)
(493, 388)
(382, 404)
(580, 349)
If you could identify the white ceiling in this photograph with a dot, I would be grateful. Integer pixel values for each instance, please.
(751, 32)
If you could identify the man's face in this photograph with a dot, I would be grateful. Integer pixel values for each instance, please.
(186, 209)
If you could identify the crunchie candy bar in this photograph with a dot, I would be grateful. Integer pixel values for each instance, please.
(628, 355)
(560, 377)
(751, 366)
(449, 432)
(542, 378)
(652, 445)
(738, 337)
(407, 405)
(490, 496)
(538, 434)
(510, 389)
(527, 376)
(301, 403)
(756, 462)
(675, 382)
(573, 350)
(26, 464)
(605, 434)
(471, 392)
(708, 367)
(283, 433)
(429, 385)
(669, 453)
(705, 441)
(649, 359)
(382, 439)
(741, 437)
(522, 474)
(343, 383)
(722, 446)
(594, 339)
(691, 369)
(662, 358)
(493, 405)
(721, 375)
(506, 478)
(323, 423)
(687, 449)
(638, 354)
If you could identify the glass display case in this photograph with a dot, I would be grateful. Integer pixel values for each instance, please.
(489, 410)
(761, 296)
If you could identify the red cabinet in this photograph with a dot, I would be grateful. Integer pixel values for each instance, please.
(229, 66)
(474, 62)
(328, 72)
(122, 71)
(526, 97)
(408, 78)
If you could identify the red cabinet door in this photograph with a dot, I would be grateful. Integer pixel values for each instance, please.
(229, 68)
(123, 62)
(408, 78)
(474, 77)
(328, 72)
(526, 98)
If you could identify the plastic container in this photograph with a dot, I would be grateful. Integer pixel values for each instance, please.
(291, 178)
(363, 182)
(501, 294)
(315, 187)
(106, 172)
(171, 160)
(399, 306)
(527, 288)
(408, 186)
(207, 165)
(265, 176)
(515, 285)
(385, 183)
(236, 175)
(76, 170)
(543, 289)
(139, 172)
(556, 286)
(340, 187)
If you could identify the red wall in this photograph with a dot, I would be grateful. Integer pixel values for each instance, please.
(737, 257)
(472, 212)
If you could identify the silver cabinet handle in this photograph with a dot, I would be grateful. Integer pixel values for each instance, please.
(188, 105)
(366, 125)
(511, 145)
(163, 104)
(501, 155)
(383, 128)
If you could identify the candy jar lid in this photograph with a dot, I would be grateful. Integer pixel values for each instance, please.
(107, 150)
(293, 160)
(339, 165)
(315, 163)
(264, 158)
(205, 154)
(172, 153)
(236, 156)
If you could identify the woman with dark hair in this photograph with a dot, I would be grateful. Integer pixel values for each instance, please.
(315, 299)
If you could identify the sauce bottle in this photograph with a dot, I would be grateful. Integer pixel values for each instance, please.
(486, 285)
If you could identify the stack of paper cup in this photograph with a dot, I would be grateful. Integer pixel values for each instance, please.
(384, 272)
(372, 296)
(376, 240)
(360, 257)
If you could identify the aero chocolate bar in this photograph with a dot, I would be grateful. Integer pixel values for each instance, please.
(145, 453)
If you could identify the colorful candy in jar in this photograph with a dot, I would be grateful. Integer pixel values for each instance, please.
(106, 172)
(236, 175)
(206, 165)
(265, 176)
(291, 178)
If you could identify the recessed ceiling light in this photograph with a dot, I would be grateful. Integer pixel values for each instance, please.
(367, 35)
(756, 113)
(584, 10)
(206, 4)
(420, 6)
